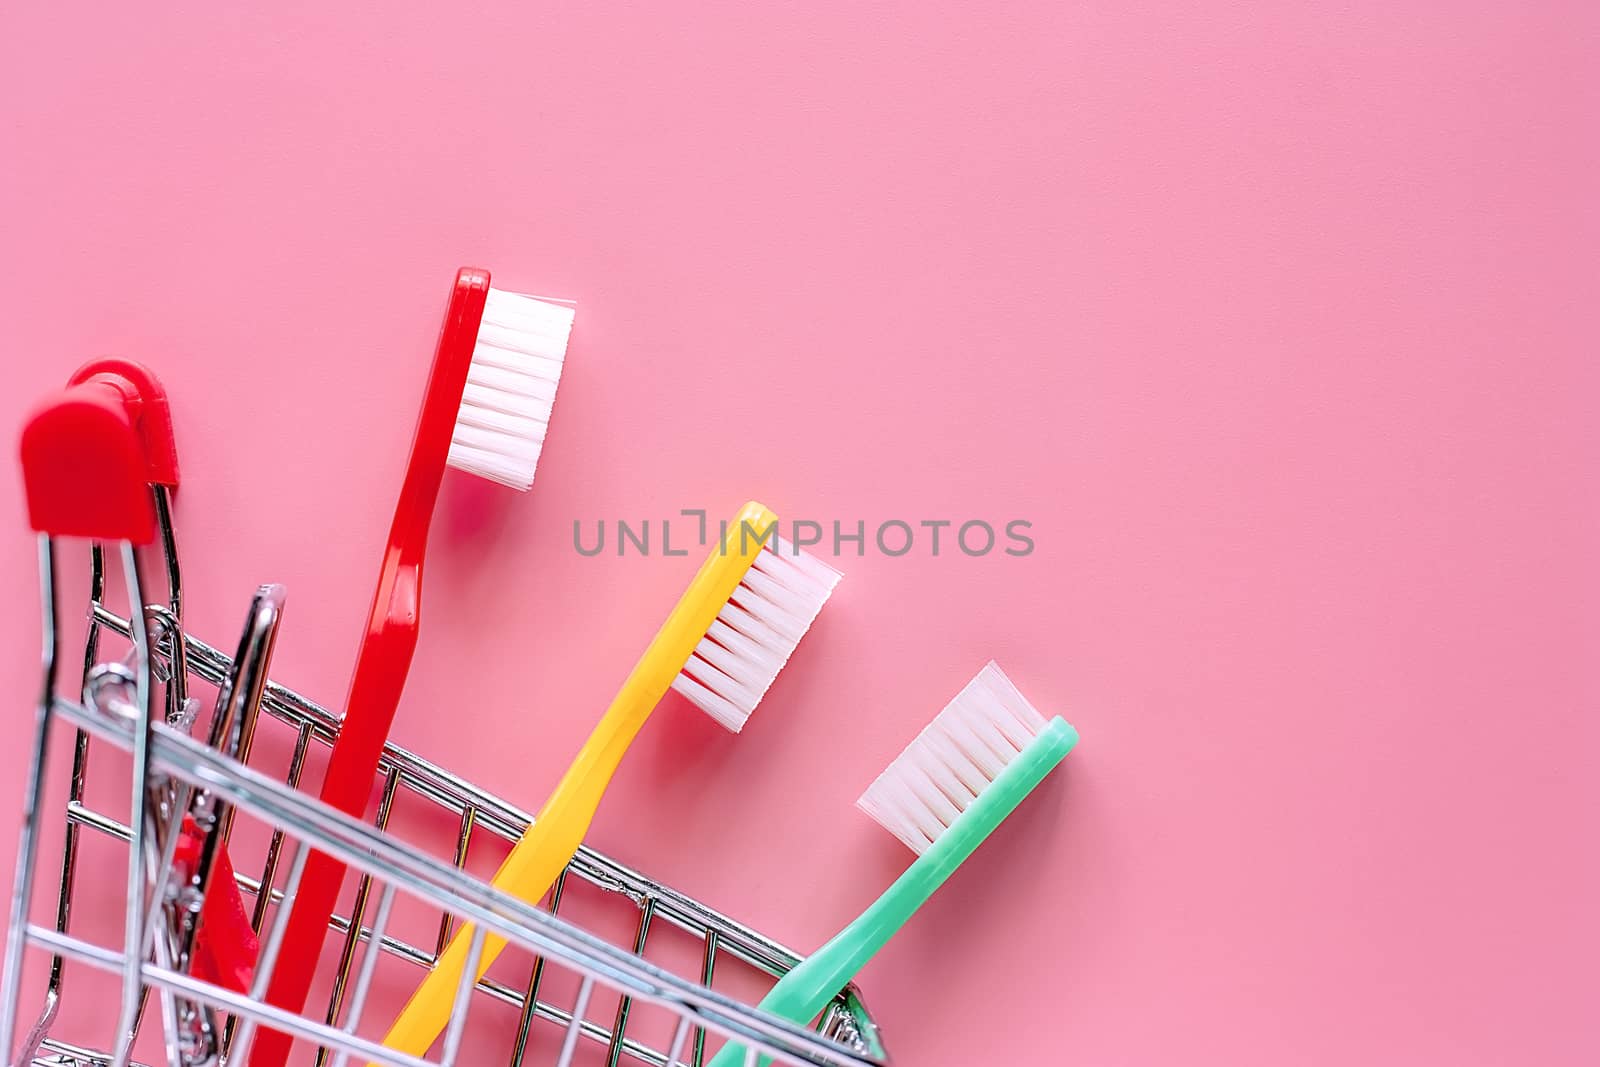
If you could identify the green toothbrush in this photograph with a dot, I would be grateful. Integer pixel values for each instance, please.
(968, 769)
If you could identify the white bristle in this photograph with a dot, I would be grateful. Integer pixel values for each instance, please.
(511, 387)
(953, 759)
(755, 633)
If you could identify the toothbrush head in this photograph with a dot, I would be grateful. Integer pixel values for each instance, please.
(511, 387)
(962, 755)
(754, 634)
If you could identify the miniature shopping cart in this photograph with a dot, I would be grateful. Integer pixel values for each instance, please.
(189, 785)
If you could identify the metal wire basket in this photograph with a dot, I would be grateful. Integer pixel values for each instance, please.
(178, 775)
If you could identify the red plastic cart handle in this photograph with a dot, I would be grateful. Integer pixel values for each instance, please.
(90, 452)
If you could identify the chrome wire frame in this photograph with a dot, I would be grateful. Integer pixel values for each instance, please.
(208, 779)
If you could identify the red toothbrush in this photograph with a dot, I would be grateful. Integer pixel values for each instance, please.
(485, 411)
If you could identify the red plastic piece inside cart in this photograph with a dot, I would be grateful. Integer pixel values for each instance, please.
(84, 469)
(226, 945)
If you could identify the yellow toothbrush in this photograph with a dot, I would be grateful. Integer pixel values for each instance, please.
(722, 646)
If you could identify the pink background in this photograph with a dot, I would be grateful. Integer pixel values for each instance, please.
(1279, 326)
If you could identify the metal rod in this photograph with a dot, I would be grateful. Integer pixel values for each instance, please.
(160, 937)
(463, 1001)
(530, 1004)
(581, 1005)
(80, 765)
(133, 934)
(463, 838)
(680, 1035)
(625, 1005)
(269, 869)
(708, 965)
(353, 927)
(369, 966)
(269, 951)
(178, 684)
(28, 847)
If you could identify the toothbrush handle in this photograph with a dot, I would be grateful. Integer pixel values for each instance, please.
(383, 660)
(806, 990)
(530, 869)
(558, 829)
